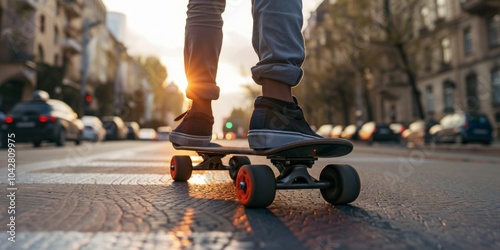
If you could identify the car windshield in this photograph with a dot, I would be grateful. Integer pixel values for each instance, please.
(30, 108)
(109, 124)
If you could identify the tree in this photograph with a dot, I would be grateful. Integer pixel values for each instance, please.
(156, 74)
(353, 36)
(396, 25)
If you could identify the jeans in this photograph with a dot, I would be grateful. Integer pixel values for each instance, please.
(277, 39)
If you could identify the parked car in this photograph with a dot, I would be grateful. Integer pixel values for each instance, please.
(132, 130)
(433, 132)
(418, 132)
(147, 134)
(350, 132)
(325, 130)
(94, 129)
(44, 119)
(164, 133)
(337, 131)
(115, 128)
(398, 129)
(464, 128)
(372, 132)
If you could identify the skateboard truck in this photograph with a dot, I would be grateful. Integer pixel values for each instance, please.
(211, 162)
(294, 174)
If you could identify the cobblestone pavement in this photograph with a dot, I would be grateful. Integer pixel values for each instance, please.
(121, 196)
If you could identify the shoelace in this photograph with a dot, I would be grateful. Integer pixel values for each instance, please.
(182, 115)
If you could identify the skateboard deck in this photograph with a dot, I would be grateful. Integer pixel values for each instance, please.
(256, 185)
(321, 148)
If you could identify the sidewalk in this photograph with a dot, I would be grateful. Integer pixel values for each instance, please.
(448, 152)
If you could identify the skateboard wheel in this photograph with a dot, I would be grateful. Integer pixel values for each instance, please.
(345, 182)
(235, 163)
(181, 168)
(255, 186)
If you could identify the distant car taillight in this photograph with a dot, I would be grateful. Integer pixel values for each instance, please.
(9, 120)
(45, 118)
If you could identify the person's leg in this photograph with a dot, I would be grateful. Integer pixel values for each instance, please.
(202, 46)
(278, 41)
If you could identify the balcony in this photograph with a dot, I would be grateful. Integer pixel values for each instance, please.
(72, 46)
(479, 7)
(73, 8)
(72, 31)
(27, 4)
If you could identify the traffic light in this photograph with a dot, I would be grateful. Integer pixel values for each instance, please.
(229, 125)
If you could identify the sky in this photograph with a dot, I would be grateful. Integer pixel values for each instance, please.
(156, 27)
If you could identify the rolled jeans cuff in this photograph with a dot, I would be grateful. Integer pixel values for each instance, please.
(203, 91)
(285, 73)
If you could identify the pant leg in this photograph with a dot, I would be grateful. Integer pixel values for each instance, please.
(278, 40)
(202, 46)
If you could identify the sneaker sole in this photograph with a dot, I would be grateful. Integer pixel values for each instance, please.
(182, 139)
(265, 139)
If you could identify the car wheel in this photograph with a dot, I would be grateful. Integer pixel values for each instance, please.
(78, 140)
(61, 138)
(37, 144)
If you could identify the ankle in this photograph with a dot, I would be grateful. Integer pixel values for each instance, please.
(277, 90)
(202, 106)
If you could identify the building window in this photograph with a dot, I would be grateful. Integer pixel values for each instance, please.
(495, 81)
(446, 51)
(494, 30)
(429, 98)
(473, 103)
(441, 9)
(428, 58)
(42, 23)
(425, 15)
(448, 90)
(56, 36)
(41, 56)
(468, 42)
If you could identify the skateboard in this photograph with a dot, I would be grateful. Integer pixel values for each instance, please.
(256, 185)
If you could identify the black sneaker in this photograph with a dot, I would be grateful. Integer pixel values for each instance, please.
(195, 130)
(275, 123)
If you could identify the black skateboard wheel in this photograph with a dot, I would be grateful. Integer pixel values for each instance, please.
(345, 184)
(181, 168)
(255, 186)
(235, 163)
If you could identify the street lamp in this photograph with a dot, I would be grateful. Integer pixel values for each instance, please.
(87, 25)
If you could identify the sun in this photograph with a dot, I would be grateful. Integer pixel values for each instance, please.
(229, 78)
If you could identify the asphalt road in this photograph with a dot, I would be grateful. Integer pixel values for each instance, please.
(119, 195)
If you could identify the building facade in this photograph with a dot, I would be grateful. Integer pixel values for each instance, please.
(17, 51)
(35, 36)
(454, 54)
(461, 57)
